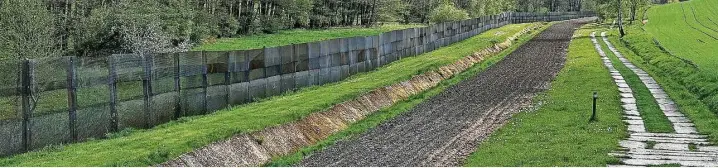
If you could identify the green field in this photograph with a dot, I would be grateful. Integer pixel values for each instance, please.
(558, 133)
(150, 147)
(297, 36)
(667, 24)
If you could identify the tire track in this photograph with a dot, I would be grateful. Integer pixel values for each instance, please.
(443, 130)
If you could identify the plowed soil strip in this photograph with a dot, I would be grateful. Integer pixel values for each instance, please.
(446, 128)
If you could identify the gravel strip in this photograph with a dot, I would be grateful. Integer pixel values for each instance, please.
(445, 129)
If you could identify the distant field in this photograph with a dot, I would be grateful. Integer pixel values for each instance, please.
(667, 24)
(297, 36)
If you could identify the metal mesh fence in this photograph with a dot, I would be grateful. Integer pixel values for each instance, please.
(67, 99)
(11, 118)
(49, 122)
(192, 82)
(93, 97)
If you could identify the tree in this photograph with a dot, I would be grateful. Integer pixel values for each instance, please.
(26, 30)
(634, 5)
(447, 12)
(620, 18)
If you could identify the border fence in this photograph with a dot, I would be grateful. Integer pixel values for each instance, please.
(61, 100)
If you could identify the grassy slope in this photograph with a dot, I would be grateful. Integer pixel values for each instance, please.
(558, 133)
(653, 117)
(667, 25)
(296, 36)
(377, 118)
(148, 147)
(693, 88)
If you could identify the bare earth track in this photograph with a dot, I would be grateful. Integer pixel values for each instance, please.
(445, 129)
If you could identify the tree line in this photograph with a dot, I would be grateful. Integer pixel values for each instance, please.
(95, 28)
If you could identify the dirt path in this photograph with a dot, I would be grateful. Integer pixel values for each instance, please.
(445, 129)
(665, 148)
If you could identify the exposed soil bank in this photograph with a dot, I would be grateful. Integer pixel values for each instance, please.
(446, 128)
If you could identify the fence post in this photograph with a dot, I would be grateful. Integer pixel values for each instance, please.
(72, 97)
(228, 79)
(26, 75)
(112, 82)
(147, 89)
(178, 89)
(205, 83)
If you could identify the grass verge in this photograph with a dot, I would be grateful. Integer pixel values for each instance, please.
(653, 117)
(157, 145)
(297, 36)
(379, 117)
(558, 133)
(691, 88)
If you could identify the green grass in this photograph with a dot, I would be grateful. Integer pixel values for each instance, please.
(693, 89)
(150, 147)
(297, 36)
(653, 117)
(650, 144)
(558, 133)
(379, 117)
(667, 25)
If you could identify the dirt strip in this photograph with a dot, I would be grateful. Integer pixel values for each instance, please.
(445, 129)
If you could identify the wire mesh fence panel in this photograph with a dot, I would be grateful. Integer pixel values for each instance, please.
(218, 78)
(50, 120)
(287, 68)
(335, 47)
(314, 54)
(164, 92)
(343, 59)
(239, 68)
(325, 60)
(272, 65)
(301, 67)
(11, 128)
(192, 91)
(130, 104)
(257, 81)
(92, 94)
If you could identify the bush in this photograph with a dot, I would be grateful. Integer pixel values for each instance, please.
(447, 12)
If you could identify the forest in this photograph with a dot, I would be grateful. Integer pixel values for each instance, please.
(96, 28)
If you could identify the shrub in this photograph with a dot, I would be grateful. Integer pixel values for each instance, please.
(447, 12)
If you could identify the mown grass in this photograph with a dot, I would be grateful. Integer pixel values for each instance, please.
(653, 117)
(667, 24)
(693, 88)
(157, 145)
(379, 117)
(559, 132)
(682, 82)
(297, 36)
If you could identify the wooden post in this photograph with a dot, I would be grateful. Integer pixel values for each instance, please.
(178, 88)
(205, 83)
(26, 75)
(72, 97)
(147, 89)
(112, 82)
